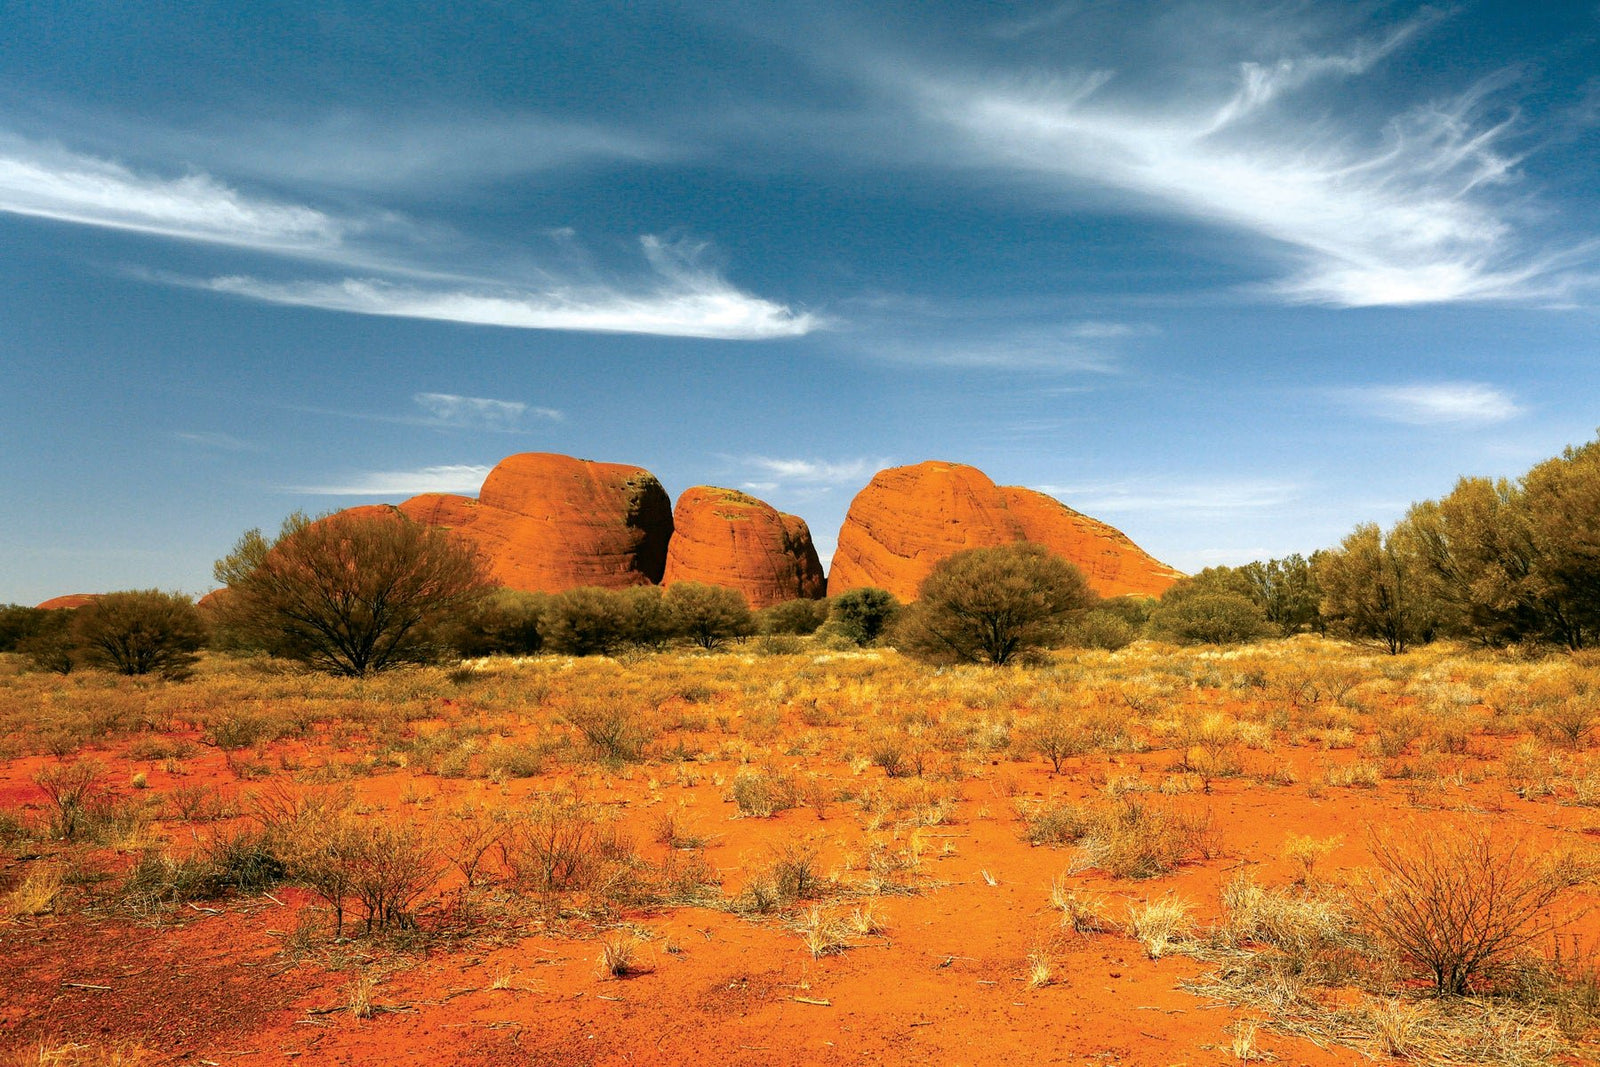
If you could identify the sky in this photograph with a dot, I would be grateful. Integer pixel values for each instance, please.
(1232, 276)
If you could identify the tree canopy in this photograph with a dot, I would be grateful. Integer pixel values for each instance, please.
(350, 593)
(993, 605)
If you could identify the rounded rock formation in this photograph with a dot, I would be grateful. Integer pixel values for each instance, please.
(1114, 565)
(725, 537)
(548, 522)
(907, 519)
(67, 601)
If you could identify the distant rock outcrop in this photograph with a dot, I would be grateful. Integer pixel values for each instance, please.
(725, 537)
(548, 522)
(909, 518)
(68, 600)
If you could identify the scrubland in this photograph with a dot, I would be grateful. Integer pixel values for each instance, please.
(1297, 851)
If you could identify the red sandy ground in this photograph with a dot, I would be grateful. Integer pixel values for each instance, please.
(214, 982)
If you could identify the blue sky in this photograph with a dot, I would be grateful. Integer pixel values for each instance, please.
(1231, 276)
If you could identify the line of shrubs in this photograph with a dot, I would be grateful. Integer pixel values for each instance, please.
(150, 632)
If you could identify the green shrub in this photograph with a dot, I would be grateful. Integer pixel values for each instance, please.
(1102, 629)
(588, 621)
(796, 617)
(709, 615)
(994, 605)
(863, 615)
(1210, 617)
(143, 632)
(507, 623)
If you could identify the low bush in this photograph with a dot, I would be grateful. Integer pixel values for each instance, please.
(77, 797)
(144, 632)
(792, 617)
(1461, 905)
(762, 794)
(862, 616)
(1127, 839)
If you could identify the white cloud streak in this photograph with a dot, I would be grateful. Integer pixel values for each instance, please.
(54, 184)
(683, 301)
(449, 478)
(1197, 500)
(1089, 347)
(359, 151)
(1438, 403)
(814, 472)
(1405, 215)
(479, 411)
(678, 297)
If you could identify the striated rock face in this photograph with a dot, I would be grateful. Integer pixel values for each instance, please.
(725, 537)
(909, 518)
(549, 522)
(1114, 565)
(68, 600)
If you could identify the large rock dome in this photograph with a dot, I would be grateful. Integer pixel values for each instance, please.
(907, 519)
(725, 537)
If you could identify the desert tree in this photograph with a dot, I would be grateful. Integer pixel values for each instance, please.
(350, 593)
(1373, 589)
(1217, 606)
(709, 615)
(1286, 590)
(18, 623)
(508, 622)
(993, 605)
(1480, 564)
(1561, 499)
(140, 632)
(41, 636)
(648, 617)
(862, 615)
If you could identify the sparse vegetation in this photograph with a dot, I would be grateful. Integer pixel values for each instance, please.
(564, 799)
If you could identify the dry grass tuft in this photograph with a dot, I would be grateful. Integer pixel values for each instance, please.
(36, 894)
(1159, 924)
(619, 955)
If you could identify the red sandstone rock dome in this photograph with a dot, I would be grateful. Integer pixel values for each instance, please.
(909, 518)
(549, 522)
(725, 537)
(68, 600)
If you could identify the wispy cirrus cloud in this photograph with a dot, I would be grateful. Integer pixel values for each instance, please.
(49, 182)
(678, 300)
(676, 295)
(447, 478)
(355, 150)
(1209, 499)
(1087, 346)
(221, 441)
(1414, 211)
(1433, 403)
(450, 409)
(780, 471)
